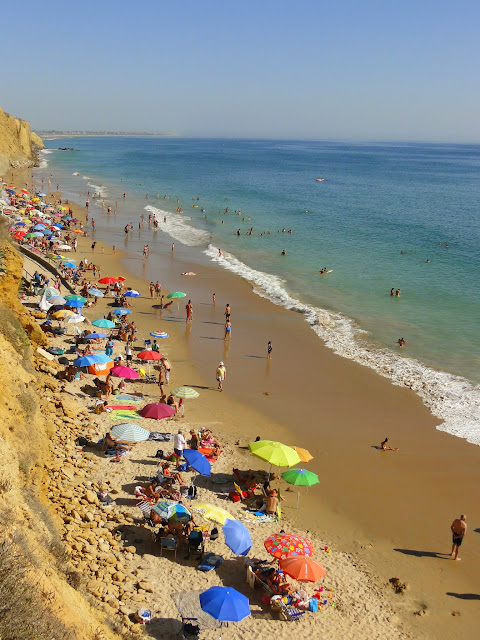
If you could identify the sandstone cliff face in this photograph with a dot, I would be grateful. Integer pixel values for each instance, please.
(18, 145)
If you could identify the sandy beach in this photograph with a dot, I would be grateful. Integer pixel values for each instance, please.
(383, 514)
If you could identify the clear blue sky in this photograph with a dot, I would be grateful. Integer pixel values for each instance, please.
(363, 69)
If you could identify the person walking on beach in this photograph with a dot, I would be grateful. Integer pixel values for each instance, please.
(213, 299)
(228, 330)
(189, 309)
(221, 375)
(269, 350)
(459, 530)
(227, 312)
(179, 444)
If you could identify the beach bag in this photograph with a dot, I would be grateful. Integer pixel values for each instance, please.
(82, 442)
(313, 604)
(192, 492)
(159, 453)
(184, 467)
(234, 497)
(214, 534)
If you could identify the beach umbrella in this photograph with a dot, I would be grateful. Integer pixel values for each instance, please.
(39, 227)
(103, 323)
(177, 294)
(225, 604)
(132, 294)
(121, 312)
(36, 234)
(85, 361)
(237, 537)
(198, 462)
(96, 292)
(75, 303)
(56, 300)
(69, 265)
(20, 224)
(172, 511)
(64, 247)
(63, 313)
(302, 568)
(212, 513)
(95, 336)
(129, 432)
(107, 280)
(121, 278)
(72, 296)
(275, 453)
(303, 454)
(157, 410)
(185, 393)
(77, 317)
(149, 355)
(159, 334)
(300, 478)
(102, 358)
(124, 372)
(283, 545)
(49, 292)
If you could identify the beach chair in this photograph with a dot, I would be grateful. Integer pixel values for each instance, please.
(190, 630)
(250, 579)
(146, 508)
(286, 611)
(146, 377)
(169, 544)
(252, 503)
(195, 543)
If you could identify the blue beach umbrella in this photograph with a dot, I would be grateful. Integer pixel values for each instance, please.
(121, 312)
(94, 336)
(95, 292)
(132, 294)
(103, 323)
(75, 303)
(20, 224)
(225, 604)
(85, 361)
(39, 227)
(129, 432)
(198, 461)
(69, 265)
(172, 511)
(237, 537)
(102, 358)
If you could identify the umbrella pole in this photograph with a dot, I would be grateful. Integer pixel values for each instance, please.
(298, 497)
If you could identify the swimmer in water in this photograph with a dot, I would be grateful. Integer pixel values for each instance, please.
(401, 342)
(284, 253)
(188, 273)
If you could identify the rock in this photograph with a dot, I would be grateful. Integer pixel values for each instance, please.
(90, 497)
(119, 576)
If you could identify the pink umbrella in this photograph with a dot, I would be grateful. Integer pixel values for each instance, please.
(124, 372)
(157, 411)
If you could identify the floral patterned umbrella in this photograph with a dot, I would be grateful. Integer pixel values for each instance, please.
(283, 545)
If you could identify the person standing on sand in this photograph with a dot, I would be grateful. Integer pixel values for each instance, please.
(213, 299)
(173, 247)
(228, 330)
(221, 375)
(269, 350)
(152, 289)
(459, 530)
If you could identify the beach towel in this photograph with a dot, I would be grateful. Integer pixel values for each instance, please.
(121, 415)
(160, 437)
(131, 397)
(261, 518)
(121, 407)
(209, 562)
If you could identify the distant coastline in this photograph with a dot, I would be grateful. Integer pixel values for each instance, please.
(107, 134)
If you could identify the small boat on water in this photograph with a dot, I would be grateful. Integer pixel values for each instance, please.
(319, 179)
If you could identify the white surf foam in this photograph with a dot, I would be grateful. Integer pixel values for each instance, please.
(451, 398)
(43, 161)
(178, 228)
(75, 173)
(100, 190)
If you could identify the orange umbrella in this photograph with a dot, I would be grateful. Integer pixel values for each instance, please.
(303, 454)
(303, 568)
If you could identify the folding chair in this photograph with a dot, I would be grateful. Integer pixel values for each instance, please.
(169, 544)
(195, 543)
(147, 342)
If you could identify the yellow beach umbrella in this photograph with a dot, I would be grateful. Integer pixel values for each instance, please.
(212, 513)
(63, 313)
(275, 453)
(303, 454)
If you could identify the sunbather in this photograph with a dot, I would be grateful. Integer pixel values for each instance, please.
(110, 442)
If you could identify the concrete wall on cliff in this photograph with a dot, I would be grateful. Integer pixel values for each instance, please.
(18, 144)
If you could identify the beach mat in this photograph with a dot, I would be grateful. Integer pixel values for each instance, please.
(130, 397)
(121, 407)
(121, 415)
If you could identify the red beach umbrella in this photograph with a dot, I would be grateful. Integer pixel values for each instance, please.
(302, 568)
(157, 411)
(108, 280)
(282, 545)
(149, 355)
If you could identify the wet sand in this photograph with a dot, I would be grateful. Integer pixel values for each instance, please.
(393, 510)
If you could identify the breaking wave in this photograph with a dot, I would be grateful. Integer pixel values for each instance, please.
(451, 398)
(177, 227)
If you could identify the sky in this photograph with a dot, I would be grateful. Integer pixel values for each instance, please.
(293, 69)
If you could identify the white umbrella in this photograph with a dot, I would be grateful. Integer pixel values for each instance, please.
(64, 247)
(75, 318)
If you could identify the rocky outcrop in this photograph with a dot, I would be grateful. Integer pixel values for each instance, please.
(18, 144)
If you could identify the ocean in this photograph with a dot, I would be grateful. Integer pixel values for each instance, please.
(401, 216)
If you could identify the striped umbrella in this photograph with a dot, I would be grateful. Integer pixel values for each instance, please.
(159, 334)
(185, 393)
(172, 511)
(129, 432)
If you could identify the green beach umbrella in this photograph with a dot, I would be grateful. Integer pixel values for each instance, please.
(177, 294)
(103, 323)
(275, 453)
(72, 296)
(300, 478)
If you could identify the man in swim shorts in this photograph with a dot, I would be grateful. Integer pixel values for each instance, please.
(459, 529)
(221, 375)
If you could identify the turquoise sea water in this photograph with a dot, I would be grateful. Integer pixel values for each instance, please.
(381, 212)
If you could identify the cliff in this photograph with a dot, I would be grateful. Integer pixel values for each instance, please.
(18, 144)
